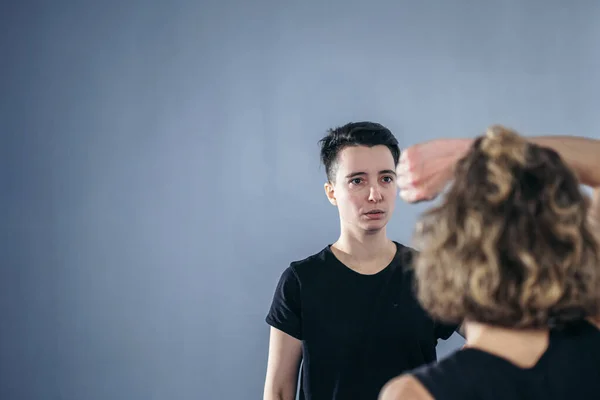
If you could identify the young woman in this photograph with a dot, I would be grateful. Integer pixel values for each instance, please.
(513, 251)
(348, 312)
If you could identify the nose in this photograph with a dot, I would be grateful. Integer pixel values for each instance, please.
(375, 194)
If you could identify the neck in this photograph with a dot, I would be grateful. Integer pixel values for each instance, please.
(363, 246)
(521, 347)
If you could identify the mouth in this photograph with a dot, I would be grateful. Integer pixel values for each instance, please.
(374, 212)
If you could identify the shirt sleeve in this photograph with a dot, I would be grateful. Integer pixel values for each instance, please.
(285, 311)
(444, 331)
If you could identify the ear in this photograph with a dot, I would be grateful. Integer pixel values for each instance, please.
(330, 193)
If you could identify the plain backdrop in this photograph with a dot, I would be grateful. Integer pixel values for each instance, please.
(159, 163)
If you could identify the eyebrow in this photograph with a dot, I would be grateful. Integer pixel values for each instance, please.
(385, 171)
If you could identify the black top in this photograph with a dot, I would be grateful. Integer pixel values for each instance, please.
(568, 369)
(358, 331)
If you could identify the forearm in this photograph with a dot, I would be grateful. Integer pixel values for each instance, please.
(285, 357)
(279, 395)
(280, 388)
(581, 154)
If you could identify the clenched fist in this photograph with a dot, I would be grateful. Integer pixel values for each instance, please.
(424, 169)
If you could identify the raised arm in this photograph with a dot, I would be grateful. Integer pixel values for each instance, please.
(426, 168)
(581, 154)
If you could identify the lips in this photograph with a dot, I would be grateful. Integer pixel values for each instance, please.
(375, 215)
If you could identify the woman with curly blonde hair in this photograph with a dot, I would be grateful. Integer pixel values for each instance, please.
(511, 251)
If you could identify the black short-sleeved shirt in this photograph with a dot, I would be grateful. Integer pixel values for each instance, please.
(358, 331)
(568, 370)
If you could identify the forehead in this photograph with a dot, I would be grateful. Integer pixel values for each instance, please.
(365, 159)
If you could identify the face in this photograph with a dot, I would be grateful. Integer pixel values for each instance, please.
(364, 189)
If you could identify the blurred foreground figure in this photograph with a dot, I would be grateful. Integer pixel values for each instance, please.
(512, 250)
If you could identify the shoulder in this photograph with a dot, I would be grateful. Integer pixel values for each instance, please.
(580, 336)
(311, 260)
(303, 270)
(405, 257)
(580, 329)
(452, 376)
(594, 322)
(309, 265)
(405, 387)
(406, 253)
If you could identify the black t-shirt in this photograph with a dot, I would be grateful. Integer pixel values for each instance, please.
(358, 331)
(568, 369)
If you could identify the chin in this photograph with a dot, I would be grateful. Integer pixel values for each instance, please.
(374, 227)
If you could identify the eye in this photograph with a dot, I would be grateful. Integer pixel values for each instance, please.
(356, 181)
(388, 179)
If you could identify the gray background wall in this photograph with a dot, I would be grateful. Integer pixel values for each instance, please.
(160, 166)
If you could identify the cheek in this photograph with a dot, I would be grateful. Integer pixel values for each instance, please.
(390, 192)
(358, 198)
(351, 201)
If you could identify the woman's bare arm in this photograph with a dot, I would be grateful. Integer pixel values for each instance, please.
(426, 168)
(285, 355)
(581, 154)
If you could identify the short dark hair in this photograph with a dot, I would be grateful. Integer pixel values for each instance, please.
(364, 133)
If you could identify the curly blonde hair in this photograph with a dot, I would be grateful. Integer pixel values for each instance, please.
(510, 243)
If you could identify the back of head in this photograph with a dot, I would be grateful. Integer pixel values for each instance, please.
(510, 243)
(355, 134)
